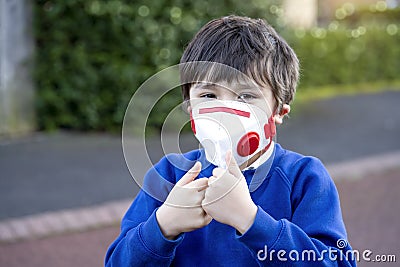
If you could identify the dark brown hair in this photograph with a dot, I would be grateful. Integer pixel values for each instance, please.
(250, 46)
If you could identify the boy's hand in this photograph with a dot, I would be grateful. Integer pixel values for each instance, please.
(227, 197)
(182, 210)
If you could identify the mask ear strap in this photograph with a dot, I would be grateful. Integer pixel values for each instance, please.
(192, 123)
(269, 131)
(270, 128)
(252, 159)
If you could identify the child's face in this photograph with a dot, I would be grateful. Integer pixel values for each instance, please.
(233, 133)
(235, 91)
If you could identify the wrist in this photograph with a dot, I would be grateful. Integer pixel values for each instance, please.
(247, 220)
(165, 225)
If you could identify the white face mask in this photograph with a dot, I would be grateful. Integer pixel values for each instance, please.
(231, 125)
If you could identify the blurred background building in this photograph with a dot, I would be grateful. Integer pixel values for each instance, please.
(301, 13)
(310, 13)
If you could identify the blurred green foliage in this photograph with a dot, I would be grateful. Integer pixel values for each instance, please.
(373, 14)
(92, 55)
(341, 55)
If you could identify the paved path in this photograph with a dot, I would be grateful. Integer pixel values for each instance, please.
(61, 171)
(344, 128)
(371, 213)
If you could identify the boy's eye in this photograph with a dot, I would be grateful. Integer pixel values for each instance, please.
(208, 95)
(246, 97)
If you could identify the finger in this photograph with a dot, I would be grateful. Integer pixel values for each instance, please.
(212, 179)
(233, 167)
(199, 184)
(218, 172)
(207, 219)
(209, 199)
(204, 203)
(190, 175)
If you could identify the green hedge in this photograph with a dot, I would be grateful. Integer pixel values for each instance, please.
(370, 14)
(339, 55)
(92, 55)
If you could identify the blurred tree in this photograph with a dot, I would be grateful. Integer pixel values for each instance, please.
(92, 55)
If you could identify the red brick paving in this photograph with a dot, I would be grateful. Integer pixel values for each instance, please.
(371, 207)
(77, 249)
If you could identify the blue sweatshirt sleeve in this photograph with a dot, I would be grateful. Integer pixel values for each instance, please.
(141, 242)
(312, 235)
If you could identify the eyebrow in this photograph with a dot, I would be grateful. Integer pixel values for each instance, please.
(203, 86)
(213, 86)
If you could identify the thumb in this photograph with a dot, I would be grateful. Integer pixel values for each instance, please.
(199, 184)
(233, 167)
(190, 175)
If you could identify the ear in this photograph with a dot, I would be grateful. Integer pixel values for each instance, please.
(284, 111)
(189, 109)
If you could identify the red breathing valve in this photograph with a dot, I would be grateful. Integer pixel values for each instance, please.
(248, 144)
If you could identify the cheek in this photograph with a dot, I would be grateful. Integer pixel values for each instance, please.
(191, 93)
(269, 101)
(193, 98)
(194, 95)
(265, 105)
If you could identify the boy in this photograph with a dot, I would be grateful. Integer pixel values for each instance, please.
(242, 200)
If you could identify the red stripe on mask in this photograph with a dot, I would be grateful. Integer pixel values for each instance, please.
(226, 110)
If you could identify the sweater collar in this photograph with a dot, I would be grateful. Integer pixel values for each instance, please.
(259, 175)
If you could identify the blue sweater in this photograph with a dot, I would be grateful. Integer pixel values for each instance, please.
(298, 213)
